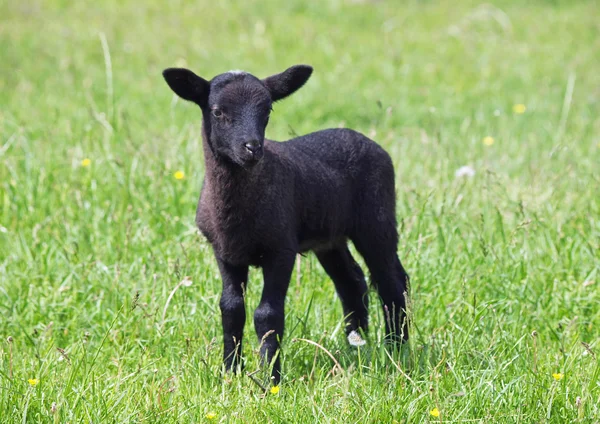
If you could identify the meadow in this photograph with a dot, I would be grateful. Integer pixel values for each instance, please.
(109, 294)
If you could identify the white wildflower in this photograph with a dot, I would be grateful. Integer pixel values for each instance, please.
(464, 171)
(355, 340)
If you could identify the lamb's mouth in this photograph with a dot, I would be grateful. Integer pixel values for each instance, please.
(248, 163)
(252, 158)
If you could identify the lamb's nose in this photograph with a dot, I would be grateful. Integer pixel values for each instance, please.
(252, 146)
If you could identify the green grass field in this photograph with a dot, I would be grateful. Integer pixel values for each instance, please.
(96, 233)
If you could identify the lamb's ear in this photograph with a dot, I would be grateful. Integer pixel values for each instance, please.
(187, 85)
(283, 84)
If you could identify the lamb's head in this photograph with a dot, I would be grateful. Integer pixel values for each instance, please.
(236, 107)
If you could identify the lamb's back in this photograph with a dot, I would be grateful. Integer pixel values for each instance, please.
(332, 170)
(338, 148)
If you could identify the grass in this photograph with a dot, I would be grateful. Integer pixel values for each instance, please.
(504, 265)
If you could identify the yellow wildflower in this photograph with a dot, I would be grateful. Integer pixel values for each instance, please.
(274, 390)
(434, 412)
(179, 175)
(488, 141)
(86, 162)
(519, 108)
(558, 376)
(33, 381)
(211, 415)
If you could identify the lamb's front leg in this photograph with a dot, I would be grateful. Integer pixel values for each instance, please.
(233, 311)
(269, 316)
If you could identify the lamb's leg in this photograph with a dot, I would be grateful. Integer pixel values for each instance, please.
(233, 312)
(389, 277)
(350, 285)
(269, 315)
(392, 285)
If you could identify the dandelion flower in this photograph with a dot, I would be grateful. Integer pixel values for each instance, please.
(86, 162)
(464, 171)
(434, 412)
(355, 339)
(211, 415)
(33, 382)
(488, 141)
(519, 108)
(274, 390)
(558, 376)
(179, 175)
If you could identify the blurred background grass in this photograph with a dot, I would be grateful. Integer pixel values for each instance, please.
(492, 258)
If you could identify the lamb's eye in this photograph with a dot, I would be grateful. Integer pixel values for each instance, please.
(217, 113)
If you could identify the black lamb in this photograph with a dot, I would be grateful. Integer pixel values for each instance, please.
(263, 202)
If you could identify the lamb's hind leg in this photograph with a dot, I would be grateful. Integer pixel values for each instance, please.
(378, 248)
(350, 285)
